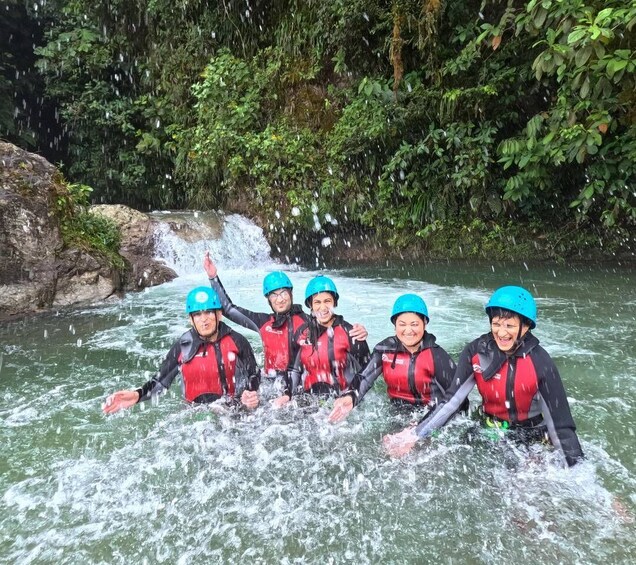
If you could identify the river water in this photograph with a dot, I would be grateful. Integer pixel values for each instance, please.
(168, 483)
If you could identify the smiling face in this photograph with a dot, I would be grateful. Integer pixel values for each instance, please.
(506, 331)
(206, 322)
(409, 329)
(322, 305)
(280, 300)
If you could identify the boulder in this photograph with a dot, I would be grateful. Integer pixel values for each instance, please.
(137, 246)
(30, 239)
(37, 272)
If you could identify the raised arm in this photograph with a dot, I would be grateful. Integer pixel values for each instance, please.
(241, 316)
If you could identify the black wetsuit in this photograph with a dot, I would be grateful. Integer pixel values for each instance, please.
(276, 330)
(419, 378)
(331, 362)
(211, 370)
(523, 390)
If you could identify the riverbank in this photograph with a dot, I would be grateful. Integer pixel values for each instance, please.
(474, 241)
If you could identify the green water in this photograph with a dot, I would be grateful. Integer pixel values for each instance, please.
(174, 484)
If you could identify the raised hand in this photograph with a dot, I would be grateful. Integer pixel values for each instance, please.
(209, 266)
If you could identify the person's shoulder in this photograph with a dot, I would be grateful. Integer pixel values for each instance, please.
(390, 343)
(187, 337)
(238, 338)
(538, 354)
(478, 343)
(339, 321)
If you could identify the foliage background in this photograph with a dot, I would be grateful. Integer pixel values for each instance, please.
(498, 127)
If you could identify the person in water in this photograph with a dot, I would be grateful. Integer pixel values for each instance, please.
(215, 361)
(276, 328)
(328, 357)
(523, 397)
(416, 370)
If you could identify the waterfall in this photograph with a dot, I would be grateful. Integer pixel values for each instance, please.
(182, 238)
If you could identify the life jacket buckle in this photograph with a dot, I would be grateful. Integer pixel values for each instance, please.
(499, 424)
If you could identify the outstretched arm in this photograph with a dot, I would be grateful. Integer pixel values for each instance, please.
(159, 383)
(556, 409)
(463, 382)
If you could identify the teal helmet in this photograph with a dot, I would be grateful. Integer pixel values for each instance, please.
(515, 299)
(274, 281)
(202, 298)
(409, 303)
(320, 284)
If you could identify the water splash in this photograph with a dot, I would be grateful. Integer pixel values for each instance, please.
(233, 241)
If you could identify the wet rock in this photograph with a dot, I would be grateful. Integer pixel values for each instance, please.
(37, 272)
(137, 246)
(30, 239)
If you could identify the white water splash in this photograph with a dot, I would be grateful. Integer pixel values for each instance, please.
(233, 241)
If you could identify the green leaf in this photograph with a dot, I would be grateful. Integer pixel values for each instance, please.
(576, 35)
(539, 17)
(585, 88)
(583, 55)
(602, 15)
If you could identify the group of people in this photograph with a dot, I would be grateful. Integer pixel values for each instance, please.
(320, 353)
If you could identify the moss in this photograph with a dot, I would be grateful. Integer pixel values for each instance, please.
(83, 230)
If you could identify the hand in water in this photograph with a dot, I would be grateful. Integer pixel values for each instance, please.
(249, 399)
(401, 443)
(280, 401)
(209, 266)
(120, 400)
(341, 408)
(358, 332)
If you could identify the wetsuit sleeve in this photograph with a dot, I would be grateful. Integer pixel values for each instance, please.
(247, 376)
(241, 316)
(163, 379)
(359, 350)
(294, 375)
(555, 408)
(444, 371)
(363, 381)
(462, 383)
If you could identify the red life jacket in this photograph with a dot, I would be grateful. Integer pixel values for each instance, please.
(408, 377)
(325, 362)
(277, 343)
(508, 390)
(211, 370)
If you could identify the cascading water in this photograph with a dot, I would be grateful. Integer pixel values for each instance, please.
(169, 483)
(182, 238)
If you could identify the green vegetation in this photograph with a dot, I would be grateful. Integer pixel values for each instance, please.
(83, 230)
(416, 120)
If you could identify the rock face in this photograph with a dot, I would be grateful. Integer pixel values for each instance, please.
(137, 246)
(36, 271)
